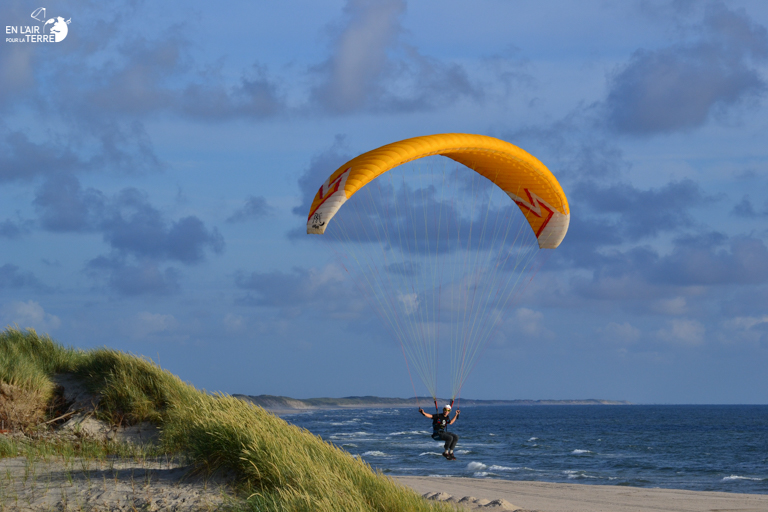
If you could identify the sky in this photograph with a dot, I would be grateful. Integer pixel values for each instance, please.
(156, 166)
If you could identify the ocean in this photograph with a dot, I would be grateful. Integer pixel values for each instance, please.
(694, 447)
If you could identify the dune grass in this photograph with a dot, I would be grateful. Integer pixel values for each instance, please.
(279, 467)
(28, 361)
(90, 449)
(132, 389)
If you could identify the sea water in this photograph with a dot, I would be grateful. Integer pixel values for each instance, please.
(695, 447)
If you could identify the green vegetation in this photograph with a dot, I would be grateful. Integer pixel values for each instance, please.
(28, 361)
(278, 466)
(51, 447)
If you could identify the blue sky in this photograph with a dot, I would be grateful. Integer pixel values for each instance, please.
(152, 165)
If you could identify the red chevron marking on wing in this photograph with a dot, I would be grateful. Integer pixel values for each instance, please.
(327, 190)
(535, 207)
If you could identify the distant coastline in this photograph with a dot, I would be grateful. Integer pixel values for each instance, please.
(284, 403)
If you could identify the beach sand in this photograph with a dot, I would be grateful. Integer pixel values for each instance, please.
(118, 485)
(556, 497)
(124, 485)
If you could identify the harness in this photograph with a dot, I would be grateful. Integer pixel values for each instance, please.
(439, 423)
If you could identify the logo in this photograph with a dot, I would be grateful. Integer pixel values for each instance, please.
(316, 218)
(327, 201)
(48, 30)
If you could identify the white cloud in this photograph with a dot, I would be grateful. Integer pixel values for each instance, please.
(29, 315)
(745, 329)
(410, 302)
(744, 323)
(234, 323)
(150, 324)
(328, 275)
(361, 52)
(620, 333)
(676, 306)
(685, 332)
(530, 322)
(371, 68)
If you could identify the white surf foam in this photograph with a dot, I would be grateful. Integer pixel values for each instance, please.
(350, 434)
(502, 468)
(734, 478)
(579, 452)
(375, 453)
(574, 474)
(348, 422)
(476, 466)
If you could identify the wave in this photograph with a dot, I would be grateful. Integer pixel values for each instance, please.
(476, 466)
(353, 421)
(348, 434)
(336, 440)
(580, 452)
(440, 454)
(734, 478)
(410, 432)
(574, 474)
(375, 453)
(502, 468)
(533, 439)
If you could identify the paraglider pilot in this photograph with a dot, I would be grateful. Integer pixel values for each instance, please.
(440, 432)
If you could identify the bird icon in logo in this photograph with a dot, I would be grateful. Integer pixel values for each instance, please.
(59, 28)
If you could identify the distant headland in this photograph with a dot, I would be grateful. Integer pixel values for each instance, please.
(284, 403)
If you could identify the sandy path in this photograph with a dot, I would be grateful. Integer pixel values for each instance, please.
(112, 484)
(551, 497)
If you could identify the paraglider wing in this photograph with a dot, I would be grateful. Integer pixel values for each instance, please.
(519, 174)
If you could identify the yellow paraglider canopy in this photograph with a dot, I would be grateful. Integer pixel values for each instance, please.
(522, 176)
